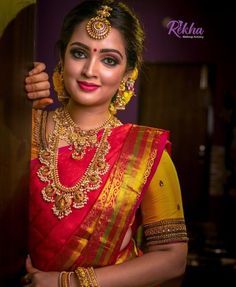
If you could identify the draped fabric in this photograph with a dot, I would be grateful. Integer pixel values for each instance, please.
(92, 235)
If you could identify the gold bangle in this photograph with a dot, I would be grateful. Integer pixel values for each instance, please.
(65, 279)
(86, 277)
(69, 277)
(62, 279)
(82, 276)
(92, 276)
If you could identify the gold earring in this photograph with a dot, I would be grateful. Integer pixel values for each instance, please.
(124, 94)
(58, 83)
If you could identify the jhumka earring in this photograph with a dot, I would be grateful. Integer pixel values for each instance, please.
(99, 27)
(124, 94)
(58, 83)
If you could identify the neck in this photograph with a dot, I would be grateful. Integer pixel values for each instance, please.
(87, 118)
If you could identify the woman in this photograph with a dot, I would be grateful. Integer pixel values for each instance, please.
(93, 179)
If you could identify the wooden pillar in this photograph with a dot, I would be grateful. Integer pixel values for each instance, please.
(16, 57)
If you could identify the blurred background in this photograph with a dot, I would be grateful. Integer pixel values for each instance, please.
(187, 86)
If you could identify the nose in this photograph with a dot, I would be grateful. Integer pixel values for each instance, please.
(90, 68)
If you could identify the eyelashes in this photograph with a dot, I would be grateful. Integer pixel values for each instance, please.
(110, 61)
(80, 54)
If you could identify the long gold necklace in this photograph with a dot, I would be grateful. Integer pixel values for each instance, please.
(62, 197)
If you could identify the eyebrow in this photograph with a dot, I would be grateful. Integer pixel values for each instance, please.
(101, 51)
(111, 50)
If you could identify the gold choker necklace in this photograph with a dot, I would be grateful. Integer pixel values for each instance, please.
(81, 140)
(63, 197)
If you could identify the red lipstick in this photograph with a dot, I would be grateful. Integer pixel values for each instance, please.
(87, 87)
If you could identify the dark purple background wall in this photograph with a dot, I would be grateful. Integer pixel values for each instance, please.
(217, 21)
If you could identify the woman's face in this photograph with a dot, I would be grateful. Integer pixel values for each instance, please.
(93, 69)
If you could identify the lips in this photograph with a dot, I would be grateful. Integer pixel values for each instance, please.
(87, 87)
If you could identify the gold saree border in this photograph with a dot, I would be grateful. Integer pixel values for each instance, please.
(97, 241)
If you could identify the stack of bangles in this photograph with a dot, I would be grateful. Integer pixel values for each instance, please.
(85, 276)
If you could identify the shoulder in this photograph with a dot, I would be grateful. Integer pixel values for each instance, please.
(158, 133)
(42, 124)
(42, 118)
(160, 136)
(150, 129)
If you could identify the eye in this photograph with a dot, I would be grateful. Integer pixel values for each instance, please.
(109, 61)
(78, 54)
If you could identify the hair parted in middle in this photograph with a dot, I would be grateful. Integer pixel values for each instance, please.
(121, 17)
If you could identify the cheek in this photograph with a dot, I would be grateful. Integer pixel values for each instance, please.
(112, 78)
(69, 78)
(70, 70)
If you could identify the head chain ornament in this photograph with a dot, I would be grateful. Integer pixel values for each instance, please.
(99, 27)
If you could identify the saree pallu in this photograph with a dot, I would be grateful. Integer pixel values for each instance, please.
(92, 235)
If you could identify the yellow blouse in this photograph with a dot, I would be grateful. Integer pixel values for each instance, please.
(162, 209)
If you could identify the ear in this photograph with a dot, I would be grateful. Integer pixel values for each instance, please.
(61, 60)
(131, 74)
(127, 75)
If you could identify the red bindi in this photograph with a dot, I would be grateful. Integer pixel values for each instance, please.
(95, 50)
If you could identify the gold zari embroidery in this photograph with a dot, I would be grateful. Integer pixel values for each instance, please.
(165, 231)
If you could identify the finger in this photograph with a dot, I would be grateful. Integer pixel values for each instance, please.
(38, 63)
(38, 68)
(42, 103)
(29, 267)
(37, 78)
(37, 87)
(26, 280)
(39, 95)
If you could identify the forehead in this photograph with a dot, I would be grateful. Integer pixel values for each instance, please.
(114, 39)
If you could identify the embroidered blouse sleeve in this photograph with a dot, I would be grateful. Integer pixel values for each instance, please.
(162, 209)
(39, 118)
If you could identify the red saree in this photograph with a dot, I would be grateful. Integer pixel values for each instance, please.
(92, 235)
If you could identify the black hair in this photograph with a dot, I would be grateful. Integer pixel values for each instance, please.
(121, 17)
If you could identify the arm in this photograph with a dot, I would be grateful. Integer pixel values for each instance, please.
(165, 256)
(159, 264)
(37, 86)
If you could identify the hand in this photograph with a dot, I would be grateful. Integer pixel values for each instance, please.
(37, 86)
(38, 278)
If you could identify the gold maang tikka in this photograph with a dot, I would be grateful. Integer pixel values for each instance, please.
(99, 27)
